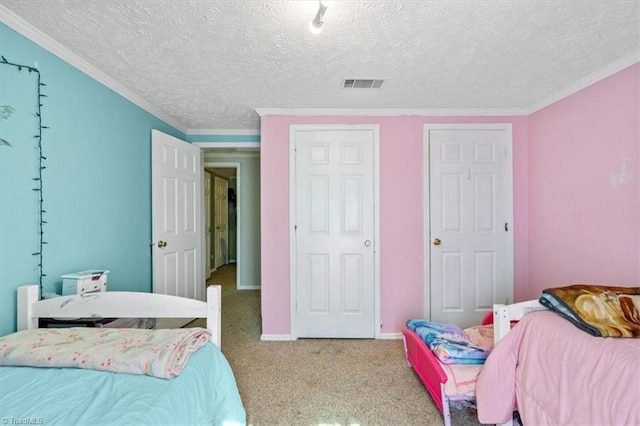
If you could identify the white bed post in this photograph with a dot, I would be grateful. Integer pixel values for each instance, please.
(501, 326)
(27, 295)
(214, 314)
(501, 322)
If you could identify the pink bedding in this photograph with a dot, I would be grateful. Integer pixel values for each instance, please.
(461, 379)
(158, 353)
(560, 375)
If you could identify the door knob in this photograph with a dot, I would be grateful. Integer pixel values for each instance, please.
(437, 242)
(162, 243)
(367, 243)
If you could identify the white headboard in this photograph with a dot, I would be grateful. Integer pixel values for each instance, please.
(119, 304)
(504, 314)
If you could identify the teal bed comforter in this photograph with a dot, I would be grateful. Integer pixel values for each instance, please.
(205, 393)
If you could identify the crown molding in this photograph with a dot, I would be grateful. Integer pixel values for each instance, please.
(390, 112)
(211, 156)
(224, 132)
(32, 33)
(587, 81)
(35, 35)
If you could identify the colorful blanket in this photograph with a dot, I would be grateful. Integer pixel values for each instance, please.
(449, 343)
(599, 310)
(157, 353)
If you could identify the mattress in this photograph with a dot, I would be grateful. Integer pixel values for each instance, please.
(205, 393)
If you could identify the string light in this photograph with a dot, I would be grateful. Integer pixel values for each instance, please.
(41, 158)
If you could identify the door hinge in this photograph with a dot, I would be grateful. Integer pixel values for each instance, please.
(506, 226)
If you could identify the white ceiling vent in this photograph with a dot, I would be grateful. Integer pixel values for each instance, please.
(362, 84)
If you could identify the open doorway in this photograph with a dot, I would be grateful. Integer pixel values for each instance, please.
(223, 217)
(234, 242)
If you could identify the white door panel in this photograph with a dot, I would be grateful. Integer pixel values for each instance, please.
(469, 186)
(176, 217)
(334, 217)
(221, 221)
(207, 223)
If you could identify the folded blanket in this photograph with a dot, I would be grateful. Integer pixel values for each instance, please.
(449, 343)
(158, 353)
(601, 311)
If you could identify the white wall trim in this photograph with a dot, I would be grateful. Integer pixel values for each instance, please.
(426, 224)
(276, 337)
(390, 112)
(249, 287)
(508, 128)
(592, 78)
(46, 42)
(293, 258)
(228, 144)
(240, 263)
(224, 132)
(390, 336)
(376, 230)
(375, 128)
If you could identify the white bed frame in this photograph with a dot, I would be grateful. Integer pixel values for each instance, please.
(119, 304)
(502, 317)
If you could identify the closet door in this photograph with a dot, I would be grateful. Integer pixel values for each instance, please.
(469, 225)
(334, 234)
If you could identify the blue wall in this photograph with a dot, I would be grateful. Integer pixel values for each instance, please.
(97, 181)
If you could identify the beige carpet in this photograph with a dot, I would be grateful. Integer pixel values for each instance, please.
(319, 381)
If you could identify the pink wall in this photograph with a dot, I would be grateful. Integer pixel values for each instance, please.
(581, 229)
(401, 213)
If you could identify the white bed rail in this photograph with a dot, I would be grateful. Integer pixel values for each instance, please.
(504, 314)
(119, 304)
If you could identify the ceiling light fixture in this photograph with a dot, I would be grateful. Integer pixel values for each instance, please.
(315, 26)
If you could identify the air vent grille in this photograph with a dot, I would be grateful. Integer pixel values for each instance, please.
(362, 84)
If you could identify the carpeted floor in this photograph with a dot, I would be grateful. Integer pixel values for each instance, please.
(320, 381)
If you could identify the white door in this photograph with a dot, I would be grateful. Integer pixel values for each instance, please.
(207, 222)
(470, 221)
(177, 222)
(334, 233)
(221, 221)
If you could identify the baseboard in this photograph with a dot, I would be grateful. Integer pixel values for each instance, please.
(287, 337)
(275, 337)
(249, 287)
(390, 336)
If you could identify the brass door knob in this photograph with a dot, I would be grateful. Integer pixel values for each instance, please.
(162, 243)
(437, 242)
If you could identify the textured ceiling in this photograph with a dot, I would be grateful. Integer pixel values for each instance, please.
(210, 64)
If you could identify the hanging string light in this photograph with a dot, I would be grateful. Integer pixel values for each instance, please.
(38, 187)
